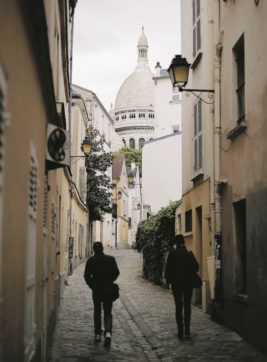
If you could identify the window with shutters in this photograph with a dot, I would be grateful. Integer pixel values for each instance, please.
(45, 217)
(81, 240)
(53, 221)
(29, 330)
(240, 78)
(196, 27)
(82, 183)
(197, 139)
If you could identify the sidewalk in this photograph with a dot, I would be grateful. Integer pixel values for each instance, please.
(144, 327)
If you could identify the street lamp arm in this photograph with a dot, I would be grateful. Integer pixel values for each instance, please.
(182, 89)
(192, 91)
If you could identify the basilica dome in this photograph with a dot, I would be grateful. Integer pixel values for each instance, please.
(134, 106)
(137, 91)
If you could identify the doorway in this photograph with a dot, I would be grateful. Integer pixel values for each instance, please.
(199, 245)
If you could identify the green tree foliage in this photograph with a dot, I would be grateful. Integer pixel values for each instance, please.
(131, 155)
(98, 182)
(152, 239)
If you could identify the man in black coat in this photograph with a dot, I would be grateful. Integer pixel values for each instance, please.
(101, 271)
(180, 270)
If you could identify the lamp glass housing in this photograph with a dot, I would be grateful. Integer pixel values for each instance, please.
(130, 179)
(86, 147)
(179, 71)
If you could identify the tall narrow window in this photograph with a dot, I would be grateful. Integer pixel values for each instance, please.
(198, 136)
(132, 143)
(241, 244)
(196, 27)
(141, 143)
(240, 78)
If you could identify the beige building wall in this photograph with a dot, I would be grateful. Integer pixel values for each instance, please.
(199, 238)
(28, 137)
(198, 136)
(33, 241)
(120, 198)
(243, 169)
(100, 120)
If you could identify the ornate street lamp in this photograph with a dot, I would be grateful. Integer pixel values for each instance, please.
(179, 72)
(86, 146)
(130, 179)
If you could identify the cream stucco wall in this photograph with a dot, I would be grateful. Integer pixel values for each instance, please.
(162, 171)
(200, 78)
(167, 105)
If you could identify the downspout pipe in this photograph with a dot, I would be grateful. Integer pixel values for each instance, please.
(217, 144)
(70, 118)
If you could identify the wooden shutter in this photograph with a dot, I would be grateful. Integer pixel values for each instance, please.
(29, 328)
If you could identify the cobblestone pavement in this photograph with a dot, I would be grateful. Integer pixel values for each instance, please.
(144, 327)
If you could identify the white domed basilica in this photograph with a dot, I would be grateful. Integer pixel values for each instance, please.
(134, 107)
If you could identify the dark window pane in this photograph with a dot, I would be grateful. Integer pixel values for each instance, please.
(132, 143)
(188, 221)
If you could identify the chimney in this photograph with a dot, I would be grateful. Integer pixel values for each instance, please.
(158, 68)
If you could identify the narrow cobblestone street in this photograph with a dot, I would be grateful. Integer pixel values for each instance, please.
(144, 327)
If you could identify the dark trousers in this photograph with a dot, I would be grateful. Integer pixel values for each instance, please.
(107, 306)
(182, 298)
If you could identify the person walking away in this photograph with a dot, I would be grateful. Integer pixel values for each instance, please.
(101, 271)
(180, 269)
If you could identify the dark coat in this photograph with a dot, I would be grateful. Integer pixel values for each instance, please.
(180, 268)
(100, 272)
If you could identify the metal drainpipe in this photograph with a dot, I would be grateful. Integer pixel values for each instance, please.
(69, 124)
(217, 135)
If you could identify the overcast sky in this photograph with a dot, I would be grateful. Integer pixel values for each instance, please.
(106, 34)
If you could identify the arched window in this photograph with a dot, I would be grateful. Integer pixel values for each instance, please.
(124, 142)
(132, 143)
(141, 143)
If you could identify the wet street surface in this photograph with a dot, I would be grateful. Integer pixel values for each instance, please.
(144, 327)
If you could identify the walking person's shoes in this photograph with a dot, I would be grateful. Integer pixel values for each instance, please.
(97, 337)
(107, 340)
(187, 334)
(180, 335)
